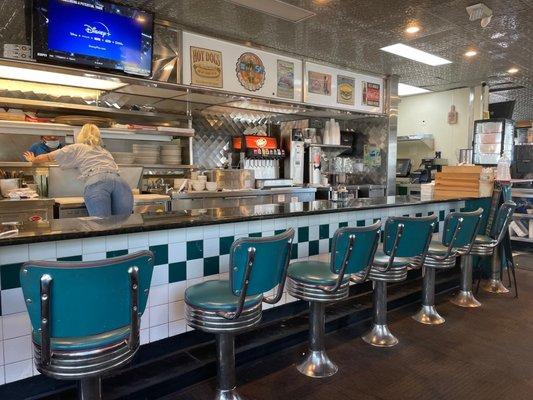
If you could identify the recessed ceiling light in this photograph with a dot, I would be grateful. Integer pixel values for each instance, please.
(413, 29)
(408, 90)
(471, 53)
(276, 8)
(403, 50)
(513, 70)
(35, 75)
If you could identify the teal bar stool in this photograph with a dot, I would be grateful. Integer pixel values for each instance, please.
(319, 283)
(460, 230)
(484, 246)
(86, 315)
(257, 265)
(405, 238)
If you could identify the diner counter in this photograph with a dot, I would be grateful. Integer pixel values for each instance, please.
(75, 228)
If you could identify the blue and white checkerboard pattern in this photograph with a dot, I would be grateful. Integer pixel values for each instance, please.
(183, 257)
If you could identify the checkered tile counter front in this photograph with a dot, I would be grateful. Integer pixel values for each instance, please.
(183, 257)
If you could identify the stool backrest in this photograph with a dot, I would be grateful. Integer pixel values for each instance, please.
(86, 298)
(364, 244)
(408, 236)
(461, 228)
(265, 260)
(503, 219)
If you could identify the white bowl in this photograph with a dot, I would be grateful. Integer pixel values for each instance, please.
(198, 186)
(211, 186)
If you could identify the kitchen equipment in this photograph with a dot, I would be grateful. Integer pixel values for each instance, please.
(26, 210)
(8, 184)
(294, 164)
(260, 154)
(313, 166)
(232, 178)
(403, 167)
(523, 161)
(492, 139)
(198, 185)
(272, 183)
(465, 156)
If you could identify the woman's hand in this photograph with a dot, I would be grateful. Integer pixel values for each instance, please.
(29, 156)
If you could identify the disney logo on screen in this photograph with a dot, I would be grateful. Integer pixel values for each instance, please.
(97, 28)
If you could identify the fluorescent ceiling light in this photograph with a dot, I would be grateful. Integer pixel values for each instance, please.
(408, 90)
(34, 75)
(403, 50)
(276, 8)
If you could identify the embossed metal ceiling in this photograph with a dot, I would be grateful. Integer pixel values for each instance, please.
(351, 32)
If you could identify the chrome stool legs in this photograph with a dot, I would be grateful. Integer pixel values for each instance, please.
(428, 314)
(465, 297)
(226, 389)
(317, 363)
(380, 335)
(90, 389)
(494, 284)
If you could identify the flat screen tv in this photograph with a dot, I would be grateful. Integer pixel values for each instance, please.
(95, 34)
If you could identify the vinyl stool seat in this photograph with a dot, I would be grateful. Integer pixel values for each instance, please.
(217, 296)
(314, 273)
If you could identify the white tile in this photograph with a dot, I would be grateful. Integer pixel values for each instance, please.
(212, 231)
(137, 249)
(289, 298)
(158, 295)
(17, 349)
(145, 336)
(117, 242)
(280, 223)
(195, 269)
(13, 301)
(16, 325)
(254, 226)
(14, 254)
(211, 247)
(2, 375)
(223, 263)
(139, 239)
(302, 221)
(34, 369)
(160, 275)
(176, 311)
(1, 329)
(156, 238)
(323, 219)
(158, 332)
(177, 252)
(224, 276)
(177, 328)
(241, 228)
(267, 225)
(93, 245)
(268, 234)
(17, 371)
(94, 256)
(195, 233)
(211, 278)
(176, 291)
(145, 319)
(177, 235)
(69, 248)
(43, 251)
(227, 230)
(313, 232)
(323, 246)
(292, 223)
(158, 315)
(195, 281)
(303, 250)
(1, 352)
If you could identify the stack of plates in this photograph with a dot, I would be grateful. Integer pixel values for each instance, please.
(171, 154)
(146, 153)
(123, 158)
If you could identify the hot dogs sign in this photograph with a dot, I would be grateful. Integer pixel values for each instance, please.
(206, 67)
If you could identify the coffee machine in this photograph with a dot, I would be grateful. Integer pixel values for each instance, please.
(294, 163)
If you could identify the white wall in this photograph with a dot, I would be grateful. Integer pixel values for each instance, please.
(428, 113)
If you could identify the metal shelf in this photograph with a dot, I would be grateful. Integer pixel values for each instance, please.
(424, 138)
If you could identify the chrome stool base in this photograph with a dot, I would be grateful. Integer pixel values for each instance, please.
(228, 395)
(494, 286)
(380, 336)
(465, 299)
(90, 389)
(428, 315)
(317, 365)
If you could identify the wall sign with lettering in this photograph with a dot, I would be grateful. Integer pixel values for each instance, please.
(250, 71)
(206, 67)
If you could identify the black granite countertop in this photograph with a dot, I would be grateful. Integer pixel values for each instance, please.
(73, 228)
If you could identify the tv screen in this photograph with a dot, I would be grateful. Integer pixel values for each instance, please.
(93, 33)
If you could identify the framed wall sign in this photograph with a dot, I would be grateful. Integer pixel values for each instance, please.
(345, 90)
(285, 86)
(206, 67)
(319, 83)
(250, 71)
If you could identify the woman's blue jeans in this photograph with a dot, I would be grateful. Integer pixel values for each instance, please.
(108, 194)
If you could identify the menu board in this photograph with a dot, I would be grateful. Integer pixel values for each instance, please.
(332, 87)
(240, 69)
